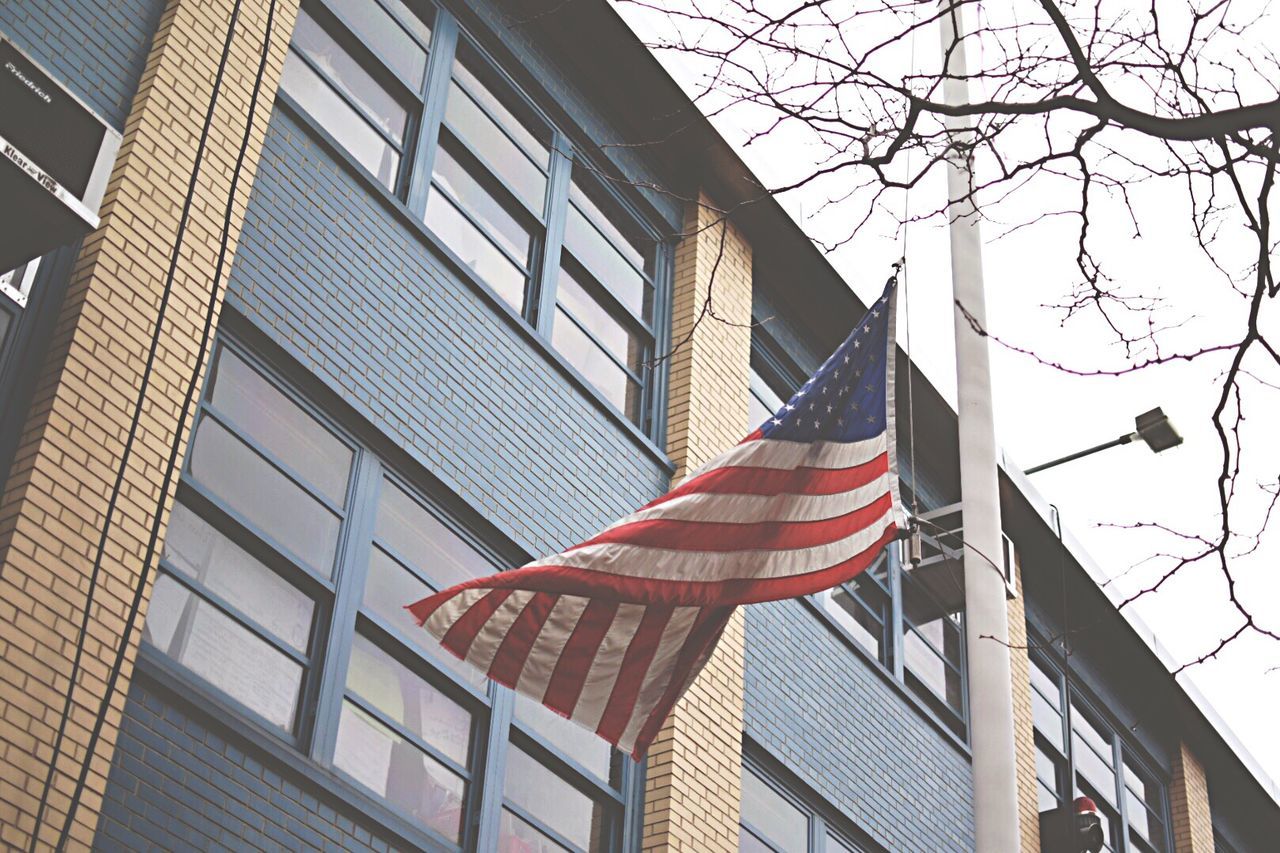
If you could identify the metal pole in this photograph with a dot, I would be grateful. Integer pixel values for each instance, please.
(995, 783)
(1080, 454)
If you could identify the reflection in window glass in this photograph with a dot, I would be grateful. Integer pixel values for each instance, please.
(342, 122)
(584, 747)
(483, 207)
(596, 366)
(518, 835)
(770, 813)
(263, 495)
(420, 538)
(192, 546)
(483, 136)
(409, 700)
(612, 334)
(380, 32)
(394, 768)
(852, 613)
(606, 263)
(474, 249)
(349, 77)
(1047, 721)
(259, 411)
(540, 792)
(635, 249)
(534, 144)
(222, 652)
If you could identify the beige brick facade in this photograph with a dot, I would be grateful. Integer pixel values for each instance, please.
(1189, 804)
(1024, 744)
(693, 786)
(54, 509)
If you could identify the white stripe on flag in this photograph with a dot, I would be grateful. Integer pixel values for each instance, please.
(776, 453)
(546, 650)
(489, 640)
(660, 671)
(604, 670)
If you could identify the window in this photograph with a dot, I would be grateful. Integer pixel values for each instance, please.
(1074, 743)
(507, 192)
(921, 640)
(776, 819)
(290, 554)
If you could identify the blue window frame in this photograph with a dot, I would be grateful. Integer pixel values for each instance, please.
(291, 551)
(514, 201)
(912, 626)
(1080, 751)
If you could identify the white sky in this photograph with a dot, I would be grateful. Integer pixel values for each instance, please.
(1042, 413)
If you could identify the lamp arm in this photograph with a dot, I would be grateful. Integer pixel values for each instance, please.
(1115, 442)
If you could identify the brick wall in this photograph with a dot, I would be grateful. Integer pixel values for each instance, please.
(96, 48)
(693, 786)
(1024, 744)
(54, 508)
(1189, 805)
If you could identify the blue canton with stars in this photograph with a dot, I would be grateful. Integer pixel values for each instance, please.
(845, 399)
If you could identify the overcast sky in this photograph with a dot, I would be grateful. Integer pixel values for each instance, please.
(1042, 413)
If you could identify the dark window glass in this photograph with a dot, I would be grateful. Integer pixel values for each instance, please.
(932, 645)
(386, 37)
(608, 261)
(215, 647)
(612, 334)
(261, 493)
(492, 216)
(551, 800)
(394, 768)
(503, 109)
(342, 122)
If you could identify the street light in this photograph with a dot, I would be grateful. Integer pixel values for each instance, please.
(1153, 427)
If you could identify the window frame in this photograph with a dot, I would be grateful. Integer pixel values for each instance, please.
(823, 820)
(1074, 699)
(339, 617)
(568, 162)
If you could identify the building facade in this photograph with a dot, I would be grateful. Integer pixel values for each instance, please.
(391, 293)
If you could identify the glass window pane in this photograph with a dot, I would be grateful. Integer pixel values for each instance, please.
(389, 588)
(604, 261)
(552, 800)
(261, 412)
(5, 320)
(595, 366)
(769, 812)
(608, 331)
(215, 647)
(1093, 733)
(193, 547)
(1046, 682)
(636, 248)
(263, 495)
(1092, 767)
(342, 122)
(520, 836)
(420, 538)
(487, 210)
(528, 132)
(409, 700)
(748, 843)
(394, 768)
(835, 845)
(757, 411)
(474, 249)
(1046, 770)
(929, 668)
(348, 76)
(865, 625)
(1047, 721)
(385, 37)
(511, 166)
(584, 747)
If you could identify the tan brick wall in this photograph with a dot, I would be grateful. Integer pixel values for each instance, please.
(1024, 745)
(1189, 804)
(694, 781)
(53, 510)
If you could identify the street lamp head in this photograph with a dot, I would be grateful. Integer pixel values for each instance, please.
(1154, 428)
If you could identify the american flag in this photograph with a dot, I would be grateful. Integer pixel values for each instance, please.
(611, 632)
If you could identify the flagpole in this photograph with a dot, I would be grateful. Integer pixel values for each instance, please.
(991, 738)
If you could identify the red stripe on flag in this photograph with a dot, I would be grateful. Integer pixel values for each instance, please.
(744, 480)
(683, 535)
(462, 633)
(702, 636)
(422, 610)
(642, 590)
(635, 664)
(570, 673)
(518, 642)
